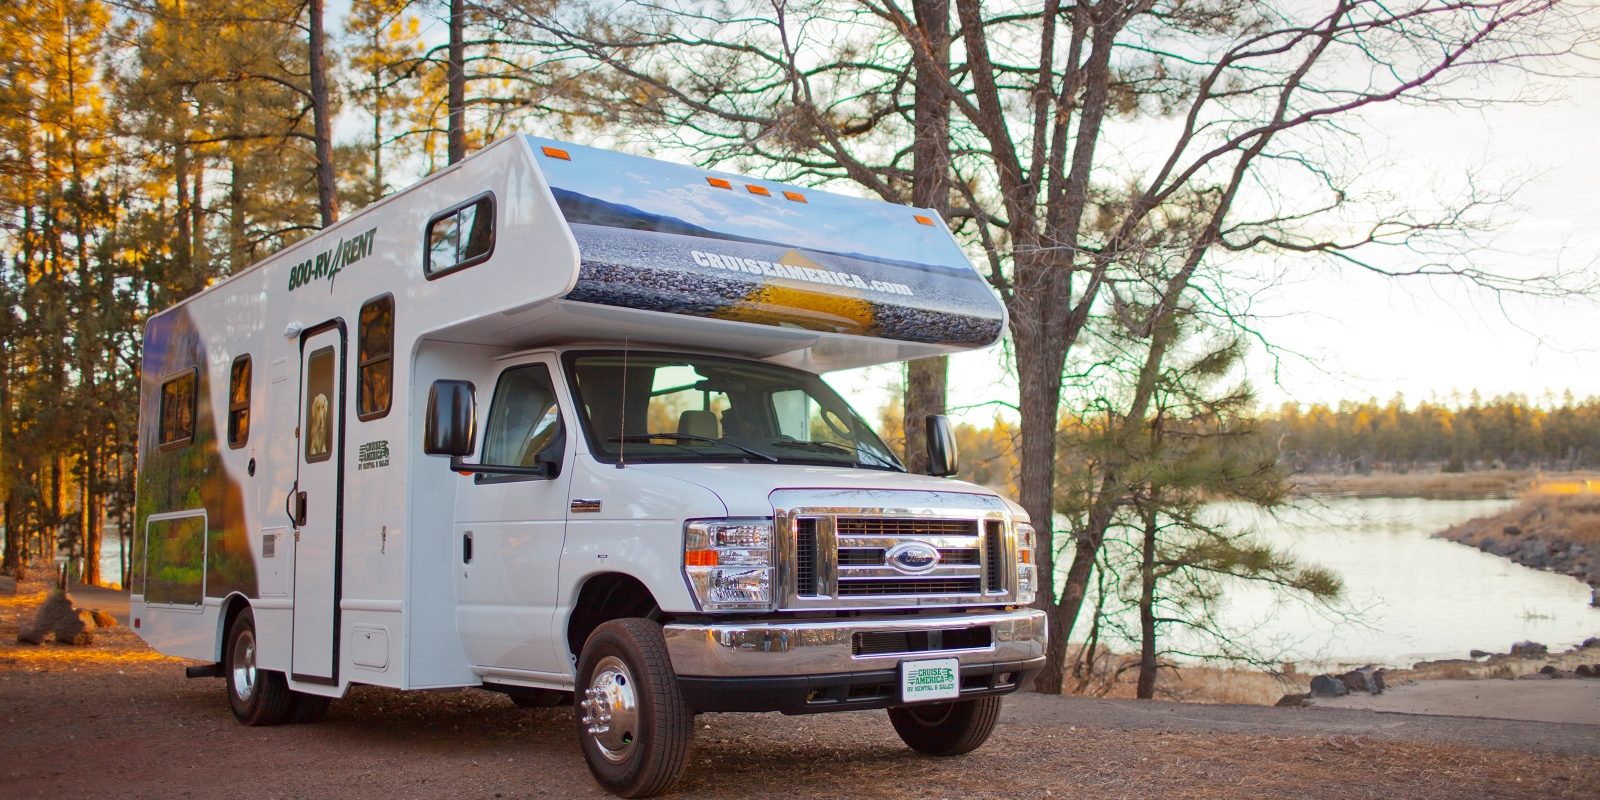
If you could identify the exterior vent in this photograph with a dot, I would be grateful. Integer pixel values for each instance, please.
(805, 560)
(994, 538)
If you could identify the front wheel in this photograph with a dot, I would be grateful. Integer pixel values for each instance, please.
(947, 729)
(633, 724)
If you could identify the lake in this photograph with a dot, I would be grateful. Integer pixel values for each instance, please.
(1409, 597)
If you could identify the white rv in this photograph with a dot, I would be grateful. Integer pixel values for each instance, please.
(549, 423)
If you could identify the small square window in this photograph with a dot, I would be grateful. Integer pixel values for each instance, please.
(177, 410)
(460, 237)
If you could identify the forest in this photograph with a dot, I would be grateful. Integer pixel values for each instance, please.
(150, 147)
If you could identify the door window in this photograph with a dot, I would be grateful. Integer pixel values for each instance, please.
(317, 429)
(525, 427)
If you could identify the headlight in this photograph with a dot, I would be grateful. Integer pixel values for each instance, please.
(1027, 571)
(729, 563)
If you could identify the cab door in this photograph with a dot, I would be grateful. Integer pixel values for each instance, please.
(512, 527)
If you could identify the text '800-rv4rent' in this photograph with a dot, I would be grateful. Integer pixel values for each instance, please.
(549, 423)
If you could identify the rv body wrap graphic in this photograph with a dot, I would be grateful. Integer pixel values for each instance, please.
(197, 542)
(662, 237)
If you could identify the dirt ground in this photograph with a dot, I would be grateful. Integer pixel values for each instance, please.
(116, 719)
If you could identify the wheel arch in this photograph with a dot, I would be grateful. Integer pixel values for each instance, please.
(232, 605)
(604, 597)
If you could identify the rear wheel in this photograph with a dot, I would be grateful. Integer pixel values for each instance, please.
(947, 729)
(257, 696)
(633, 723)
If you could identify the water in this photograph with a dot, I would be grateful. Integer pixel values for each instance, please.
(1409, 597)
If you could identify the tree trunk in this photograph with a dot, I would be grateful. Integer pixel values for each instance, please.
(322, 132)
(1147, 606)
(456, 76)
(1039, 380)
(238, 250)
(930, 188)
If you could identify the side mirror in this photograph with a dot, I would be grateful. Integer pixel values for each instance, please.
(943, 461)
(451, 427)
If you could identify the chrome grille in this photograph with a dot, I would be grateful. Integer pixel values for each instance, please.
(837, 548)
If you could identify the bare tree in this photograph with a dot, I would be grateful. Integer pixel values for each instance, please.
(457, 80)
(321, 122)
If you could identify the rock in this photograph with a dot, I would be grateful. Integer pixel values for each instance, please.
(102, 619)
(1528, 649)
(1511, 530)
(1365, 679)
(57, 617)
(1328, 686)
(1294, 700)
(1592, 641)
(1480, 654)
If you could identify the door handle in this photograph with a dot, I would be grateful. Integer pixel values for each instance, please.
(466, 547)
(300, 509)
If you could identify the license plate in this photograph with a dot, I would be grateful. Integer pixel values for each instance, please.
(934, 679)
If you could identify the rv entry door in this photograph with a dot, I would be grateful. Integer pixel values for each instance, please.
(317, 506)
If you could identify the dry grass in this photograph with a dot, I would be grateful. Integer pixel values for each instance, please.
(1439, 485)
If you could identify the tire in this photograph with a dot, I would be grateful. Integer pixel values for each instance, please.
(305, 709)
(541, 698)
(633, 725)
(947, 729)
(257, 696)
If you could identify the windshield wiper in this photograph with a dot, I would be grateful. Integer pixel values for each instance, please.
(689, 437)
(835, 447)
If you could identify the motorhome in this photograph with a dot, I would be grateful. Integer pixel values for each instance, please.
(550, 423)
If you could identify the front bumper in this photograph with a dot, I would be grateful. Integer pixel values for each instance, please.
(808, 666)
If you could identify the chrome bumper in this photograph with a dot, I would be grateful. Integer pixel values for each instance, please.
(815, 647)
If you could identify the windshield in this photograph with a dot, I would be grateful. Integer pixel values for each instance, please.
(667, 407)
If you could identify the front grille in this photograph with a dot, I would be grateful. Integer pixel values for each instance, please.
(885, 587)
(876, 643)
(843, 561)
(805, 558)
(906, 528)
(994, 534)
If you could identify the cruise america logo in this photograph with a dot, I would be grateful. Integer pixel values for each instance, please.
(328, 263)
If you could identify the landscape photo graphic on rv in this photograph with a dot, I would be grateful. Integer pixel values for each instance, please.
(668, 237)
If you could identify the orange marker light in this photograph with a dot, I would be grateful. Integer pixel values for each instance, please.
(1025, 556)
(719, 183)
(795, 196)
(922, 219)
(761, 190)
(556, 152)
(700, 558)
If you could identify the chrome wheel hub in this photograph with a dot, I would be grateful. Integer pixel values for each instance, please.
(611, 709)
(243, 666)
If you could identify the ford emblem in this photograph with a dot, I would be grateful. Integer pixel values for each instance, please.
(913, 558)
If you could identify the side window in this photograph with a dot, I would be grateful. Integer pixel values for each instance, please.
(375, 362)
(460, 237)
(177, 410)
(239, 402)
(321, 415)
(524, 421)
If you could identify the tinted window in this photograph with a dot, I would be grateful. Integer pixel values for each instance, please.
(239, 402)
(460, 237)
(375, 346)
(524, 421)
(177, 410)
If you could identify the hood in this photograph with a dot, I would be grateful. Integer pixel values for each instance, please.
(744, 488)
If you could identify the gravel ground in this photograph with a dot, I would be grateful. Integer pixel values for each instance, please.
(115, 719)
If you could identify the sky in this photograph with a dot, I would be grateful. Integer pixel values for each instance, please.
(1344, 335)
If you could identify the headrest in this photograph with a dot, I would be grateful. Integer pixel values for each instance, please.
(698, 423)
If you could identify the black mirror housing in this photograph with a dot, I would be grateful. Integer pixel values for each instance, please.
(943, 460)
(451, 425)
